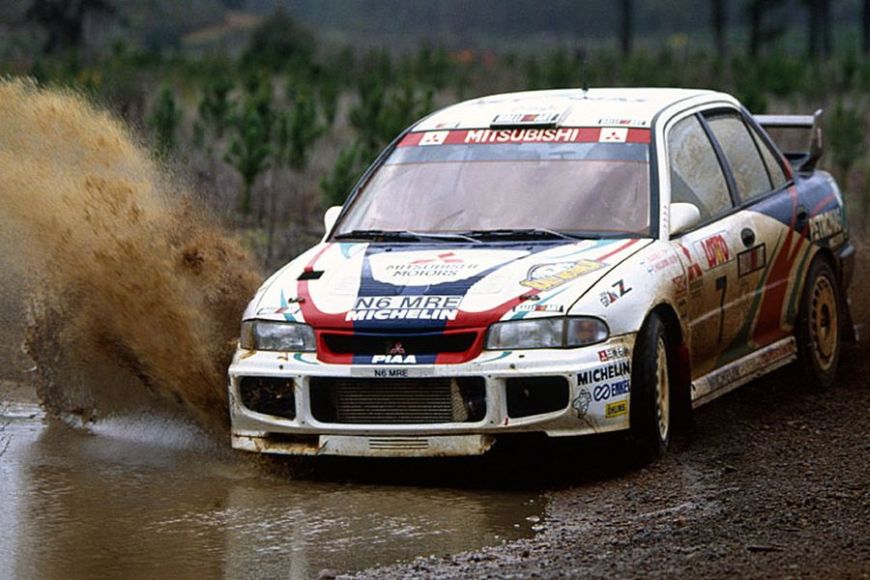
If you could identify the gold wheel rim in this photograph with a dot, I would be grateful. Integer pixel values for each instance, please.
(663, 390)
(824, 323)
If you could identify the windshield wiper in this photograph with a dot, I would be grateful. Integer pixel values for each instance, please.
(521, 234)
(402, 236)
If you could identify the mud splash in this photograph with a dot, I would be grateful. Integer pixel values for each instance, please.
(135, 294)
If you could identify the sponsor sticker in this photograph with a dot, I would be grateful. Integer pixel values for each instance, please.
(434, 138)
(612, 390)
(604, 373)
(404, 308)
(715, 250)
(613, 135)
(548, 276)
(394, 359)
(751, 260)
(621, 122)
(580, 404)
(657, 265)
(681, 286)
(826, 224)
(608, 297)
(693, 269)
(527, 135)
(613, 352)
(616, 409)
(527, 118)
(526, 307)
(425, 268)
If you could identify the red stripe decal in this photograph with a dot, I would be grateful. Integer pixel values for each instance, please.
(501, 136)
(617, 250)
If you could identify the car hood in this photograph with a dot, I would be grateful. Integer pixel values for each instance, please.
(379, 286)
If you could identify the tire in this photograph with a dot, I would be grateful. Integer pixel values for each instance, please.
(818, 325)
(650, 408)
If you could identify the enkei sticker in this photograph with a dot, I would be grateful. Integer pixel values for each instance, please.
(606, 391)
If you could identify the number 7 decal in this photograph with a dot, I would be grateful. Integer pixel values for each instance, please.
(722, 285)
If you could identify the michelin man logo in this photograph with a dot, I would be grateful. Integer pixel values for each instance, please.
(581, 403)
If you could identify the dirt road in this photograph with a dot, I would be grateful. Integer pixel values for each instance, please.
(774, 480)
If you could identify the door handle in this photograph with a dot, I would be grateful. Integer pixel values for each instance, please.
(748, 237)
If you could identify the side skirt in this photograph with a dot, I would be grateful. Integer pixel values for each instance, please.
(743, 370)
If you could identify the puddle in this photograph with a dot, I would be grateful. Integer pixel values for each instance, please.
(150, 497)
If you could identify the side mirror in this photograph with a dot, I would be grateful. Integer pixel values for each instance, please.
(684, 216)
(330, 217)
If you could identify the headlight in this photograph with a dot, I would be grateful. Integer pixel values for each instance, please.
(280, 336)
(546, 333)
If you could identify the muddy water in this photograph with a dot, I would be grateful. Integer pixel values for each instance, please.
(152, 497)
(132, 293)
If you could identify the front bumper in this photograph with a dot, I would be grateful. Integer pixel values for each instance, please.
(595, 381)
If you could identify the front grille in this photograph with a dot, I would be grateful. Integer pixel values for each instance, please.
(398, 401)
(411, 343)
(270, 396)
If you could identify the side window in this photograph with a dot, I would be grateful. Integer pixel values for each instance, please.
(771, 160)
(742, 155)
(696, 176)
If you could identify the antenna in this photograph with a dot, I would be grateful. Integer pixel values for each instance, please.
(583, 80)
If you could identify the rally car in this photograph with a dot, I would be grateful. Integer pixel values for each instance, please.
(566, 262)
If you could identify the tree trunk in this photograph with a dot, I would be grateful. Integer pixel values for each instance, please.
(813, 23)
(626, 28)
(245, 205)
(272, 211)
(755, 12)
(827, 40)
(719, 23)
(865, 27)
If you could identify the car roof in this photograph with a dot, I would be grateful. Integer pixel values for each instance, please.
(634, 107)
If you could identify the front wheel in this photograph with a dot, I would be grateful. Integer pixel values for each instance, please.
(650, 406)
(818, 325)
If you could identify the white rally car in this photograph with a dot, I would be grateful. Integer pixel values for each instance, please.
(564, 262)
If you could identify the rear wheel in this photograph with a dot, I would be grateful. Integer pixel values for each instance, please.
(650, 406)
(818, 325)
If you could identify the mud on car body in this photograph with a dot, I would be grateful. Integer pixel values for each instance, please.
(563, 262)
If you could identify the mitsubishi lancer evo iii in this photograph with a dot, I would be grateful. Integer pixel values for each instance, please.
(567, 262)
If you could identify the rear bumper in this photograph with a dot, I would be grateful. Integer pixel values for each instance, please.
(596, 383)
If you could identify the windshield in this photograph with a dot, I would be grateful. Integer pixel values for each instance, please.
(465, 181)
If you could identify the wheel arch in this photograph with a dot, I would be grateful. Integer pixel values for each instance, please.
(679, 360)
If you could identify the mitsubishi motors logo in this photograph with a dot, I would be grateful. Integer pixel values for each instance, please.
(445, 258)
(395, 355)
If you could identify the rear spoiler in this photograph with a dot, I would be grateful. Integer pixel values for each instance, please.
(799, 137)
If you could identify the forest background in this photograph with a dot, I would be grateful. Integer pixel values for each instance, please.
(270, 110)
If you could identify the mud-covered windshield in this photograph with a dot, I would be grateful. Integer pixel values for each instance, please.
(462, 181)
